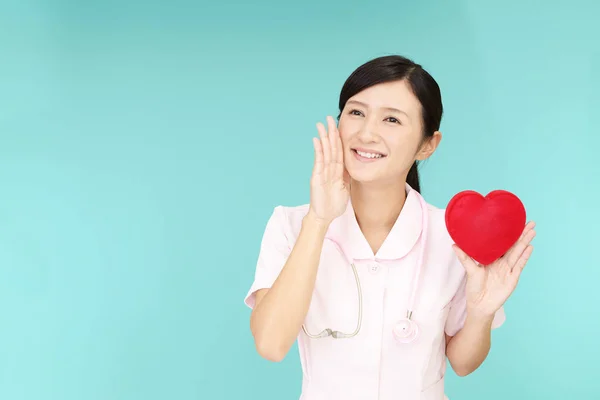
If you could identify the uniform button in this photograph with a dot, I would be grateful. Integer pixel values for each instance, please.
(374, 268)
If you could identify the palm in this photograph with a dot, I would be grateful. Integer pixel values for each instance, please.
(331, 194)
(488, 287)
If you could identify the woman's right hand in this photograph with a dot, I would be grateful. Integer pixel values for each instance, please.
(330, 183)
(281, 309)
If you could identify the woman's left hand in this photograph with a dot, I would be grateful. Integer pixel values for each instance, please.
(488, 287)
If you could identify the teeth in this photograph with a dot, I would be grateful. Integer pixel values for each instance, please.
(368, 155)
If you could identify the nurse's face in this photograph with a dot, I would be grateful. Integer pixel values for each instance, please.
(382, 133)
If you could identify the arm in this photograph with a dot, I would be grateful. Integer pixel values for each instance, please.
(280, 311)
(487, 289)
(467, 350)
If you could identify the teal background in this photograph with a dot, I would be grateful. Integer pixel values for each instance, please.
(143, 146)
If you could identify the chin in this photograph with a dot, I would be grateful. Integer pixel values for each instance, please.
(365, 171)
(364, 176)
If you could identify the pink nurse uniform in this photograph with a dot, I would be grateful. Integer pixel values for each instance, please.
(373, 365)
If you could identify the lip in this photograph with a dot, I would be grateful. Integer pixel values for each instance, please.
(365, 159)
(367, 150)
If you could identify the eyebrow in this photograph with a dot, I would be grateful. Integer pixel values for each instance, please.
(385, 108)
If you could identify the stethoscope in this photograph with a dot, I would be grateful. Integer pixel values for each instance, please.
(405, 330)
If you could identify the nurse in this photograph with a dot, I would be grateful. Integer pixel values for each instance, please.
(365, 277)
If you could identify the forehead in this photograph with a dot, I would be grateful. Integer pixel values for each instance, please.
(397, 94)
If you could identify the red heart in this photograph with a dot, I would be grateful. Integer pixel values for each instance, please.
(485, 228)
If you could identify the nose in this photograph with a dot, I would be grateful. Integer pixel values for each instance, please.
(367, 131)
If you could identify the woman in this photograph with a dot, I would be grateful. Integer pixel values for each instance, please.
(342, 274)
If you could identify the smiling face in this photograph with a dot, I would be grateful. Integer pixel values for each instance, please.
(381, 129)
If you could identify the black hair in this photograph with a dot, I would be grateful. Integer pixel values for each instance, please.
(424, 87)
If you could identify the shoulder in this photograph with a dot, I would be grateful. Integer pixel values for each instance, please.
(440, 248)
(287, 219)
(438, 232)
(294, 214)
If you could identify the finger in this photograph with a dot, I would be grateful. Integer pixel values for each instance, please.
(522, 261)
(530, 225)
(515, 253)
(515, 274)
(346, 177)
(467, 262)
(331, 132)
(337, 153)
(325, 146)
(318, 166)
(338, 143)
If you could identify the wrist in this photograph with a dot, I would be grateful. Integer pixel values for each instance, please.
(479, 318)
(315, 223)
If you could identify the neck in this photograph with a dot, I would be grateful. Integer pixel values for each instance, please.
(377, 208)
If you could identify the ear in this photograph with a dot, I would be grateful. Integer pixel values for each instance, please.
(429, 146)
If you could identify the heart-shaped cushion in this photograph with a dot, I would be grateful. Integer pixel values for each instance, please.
(485, 228)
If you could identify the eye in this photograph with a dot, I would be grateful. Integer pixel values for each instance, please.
(394, 120)
(355, 112)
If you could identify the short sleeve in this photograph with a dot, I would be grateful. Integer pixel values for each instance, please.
(274, 252)
(458, 312)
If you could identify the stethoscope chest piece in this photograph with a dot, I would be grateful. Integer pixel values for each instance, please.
(405, 330)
